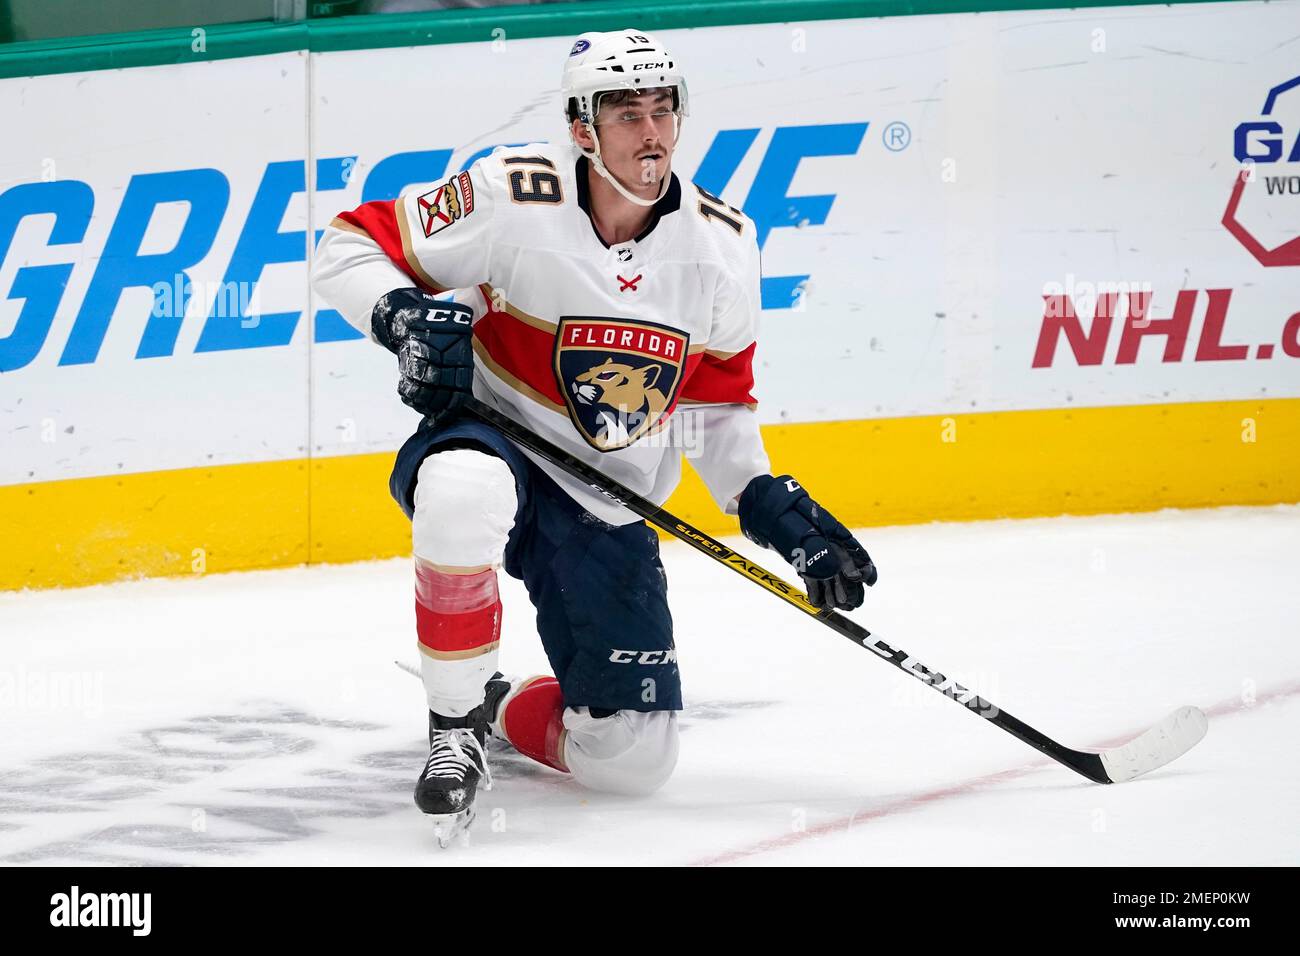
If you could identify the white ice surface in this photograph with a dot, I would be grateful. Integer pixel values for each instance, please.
(258, 718)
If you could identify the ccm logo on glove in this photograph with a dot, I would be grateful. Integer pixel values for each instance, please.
(460, 314)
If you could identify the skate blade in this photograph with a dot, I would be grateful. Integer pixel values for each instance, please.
(448, 826)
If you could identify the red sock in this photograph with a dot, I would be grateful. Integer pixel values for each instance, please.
(457, 616)
(534, 722)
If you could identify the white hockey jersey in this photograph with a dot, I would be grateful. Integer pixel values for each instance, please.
(624, 355)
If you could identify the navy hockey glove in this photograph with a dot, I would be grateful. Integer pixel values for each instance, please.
(431, 339)
(777, 513)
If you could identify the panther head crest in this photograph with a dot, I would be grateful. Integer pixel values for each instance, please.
(624, 396)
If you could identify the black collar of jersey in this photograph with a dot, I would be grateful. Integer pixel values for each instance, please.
(670, 201)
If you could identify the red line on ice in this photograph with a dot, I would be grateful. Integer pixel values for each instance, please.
(842, 824)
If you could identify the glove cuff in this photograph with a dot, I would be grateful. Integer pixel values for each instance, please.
(761, 507)
(745, 508)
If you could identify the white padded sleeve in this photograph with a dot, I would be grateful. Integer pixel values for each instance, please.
(465, 503)
(628, 752)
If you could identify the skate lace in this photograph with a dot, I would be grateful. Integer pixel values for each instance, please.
(448, 757)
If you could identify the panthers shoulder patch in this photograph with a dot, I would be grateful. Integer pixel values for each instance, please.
(446, 204)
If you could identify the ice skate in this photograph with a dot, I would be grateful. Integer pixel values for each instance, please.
(449, 782)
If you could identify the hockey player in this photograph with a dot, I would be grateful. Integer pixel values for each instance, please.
(588, 293)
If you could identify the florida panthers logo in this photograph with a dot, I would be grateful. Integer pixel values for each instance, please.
(619, 378)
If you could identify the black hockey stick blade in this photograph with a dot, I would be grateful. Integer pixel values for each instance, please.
(1166, 741)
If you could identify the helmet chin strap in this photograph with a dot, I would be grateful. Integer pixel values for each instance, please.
(599, 165)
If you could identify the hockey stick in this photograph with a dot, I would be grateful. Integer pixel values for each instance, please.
(1166, 741)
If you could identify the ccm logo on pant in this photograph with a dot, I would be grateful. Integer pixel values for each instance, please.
(644, 657)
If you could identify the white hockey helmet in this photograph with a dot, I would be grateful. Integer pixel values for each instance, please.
(623, 60)
(607, 62)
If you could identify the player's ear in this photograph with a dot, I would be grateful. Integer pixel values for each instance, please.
(581, 135)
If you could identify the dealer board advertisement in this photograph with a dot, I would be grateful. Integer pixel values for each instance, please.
(957, 214)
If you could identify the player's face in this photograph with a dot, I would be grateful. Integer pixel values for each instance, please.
(637, 138)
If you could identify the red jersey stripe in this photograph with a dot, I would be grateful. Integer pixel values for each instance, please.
(522, 351)
(722, 381)
(380, 221)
